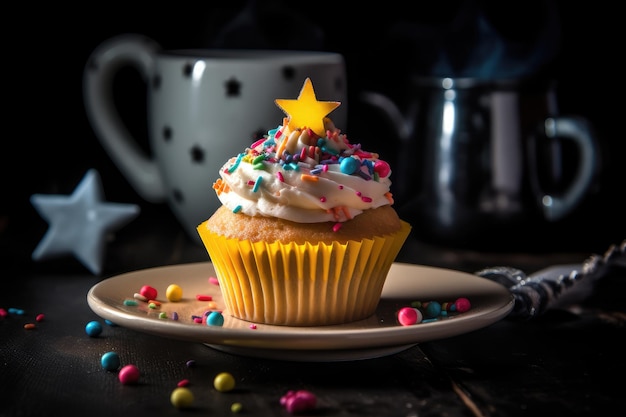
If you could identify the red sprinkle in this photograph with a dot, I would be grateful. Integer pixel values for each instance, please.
(40, 317)
(149, 292)
(298, 401)
(336, 227)
(183, 383)
(257, 143)
(203, 297)
(280, 177)
(253, 326)
(462, 304)
(214, 281)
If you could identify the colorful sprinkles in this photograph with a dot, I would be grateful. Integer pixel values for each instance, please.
(310, 151)
(415, 313)
(431, 311)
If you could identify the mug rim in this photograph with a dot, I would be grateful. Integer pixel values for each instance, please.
(237, 54)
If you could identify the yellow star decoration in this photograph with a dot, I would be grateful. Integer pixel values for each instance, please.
(306, 111)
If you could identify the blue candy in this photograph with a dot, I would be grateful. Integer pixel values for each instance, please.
(349, 165)
(110, 361)
(93, 328)
(215, 318)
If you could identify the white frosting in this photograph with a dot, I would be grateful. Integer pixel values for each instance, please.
(302, 190)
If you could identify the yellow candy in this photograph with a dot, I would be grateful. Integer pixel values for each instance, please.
(174, 292)
(181, 397)
(224, 382)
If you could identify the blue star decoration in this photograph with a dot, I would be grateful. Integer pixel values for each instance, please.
(80, 223)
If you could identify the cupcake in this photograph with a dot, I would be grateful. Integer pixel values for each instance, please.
(306, 233)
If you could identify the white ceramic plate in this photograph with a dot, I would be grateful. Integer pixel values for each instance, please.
(376, 336)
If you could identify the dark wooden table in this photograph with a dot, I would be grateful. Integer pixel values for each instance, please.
(564, 363)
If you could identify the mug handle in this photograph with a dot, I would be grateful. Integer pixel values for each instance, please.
(128, 50)
(577, 130)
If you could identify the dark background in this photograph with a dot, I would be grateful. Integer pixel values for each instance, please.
(48, 145)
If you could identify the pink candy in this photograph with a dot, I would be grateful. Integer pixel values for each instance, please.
(149, 292)
(128, 374)
(462, 304)
(382, 168)
(297, 401)
(409, 315)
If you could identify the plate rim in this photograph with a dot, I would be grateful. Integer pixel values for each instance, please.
(334, 337)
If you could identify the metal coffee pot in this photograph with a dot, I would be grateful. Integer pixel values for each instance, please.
(481, 158)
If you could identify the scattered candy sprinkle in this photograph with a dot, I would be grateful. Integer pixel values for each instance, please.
(140, 297)
(236, 407)
(93, 328)
(224, 382)
(29, 326)
(298, 401)
(40, 317)
(183, 383)
(174, 292)
(149, 292)
(431, 311)
(182, 397)
(190, 363)
(129, 374)
(110, 361)
(130, 302)
(253, 326)
(215, 318)
(202, 297)
(408, 316)
(213, 281)
(462, 304)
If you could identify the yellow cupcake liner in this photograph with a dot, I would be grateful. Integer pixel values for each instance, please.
(302, 284)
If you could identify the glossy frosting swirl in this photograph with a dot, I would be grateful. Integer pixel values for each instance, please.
(297, 175)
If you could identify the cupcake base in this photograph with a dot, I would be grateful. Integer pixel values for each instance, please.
(308, 284)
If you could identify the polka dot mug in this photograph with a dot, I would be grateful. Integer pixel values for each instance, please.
(203, 106)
